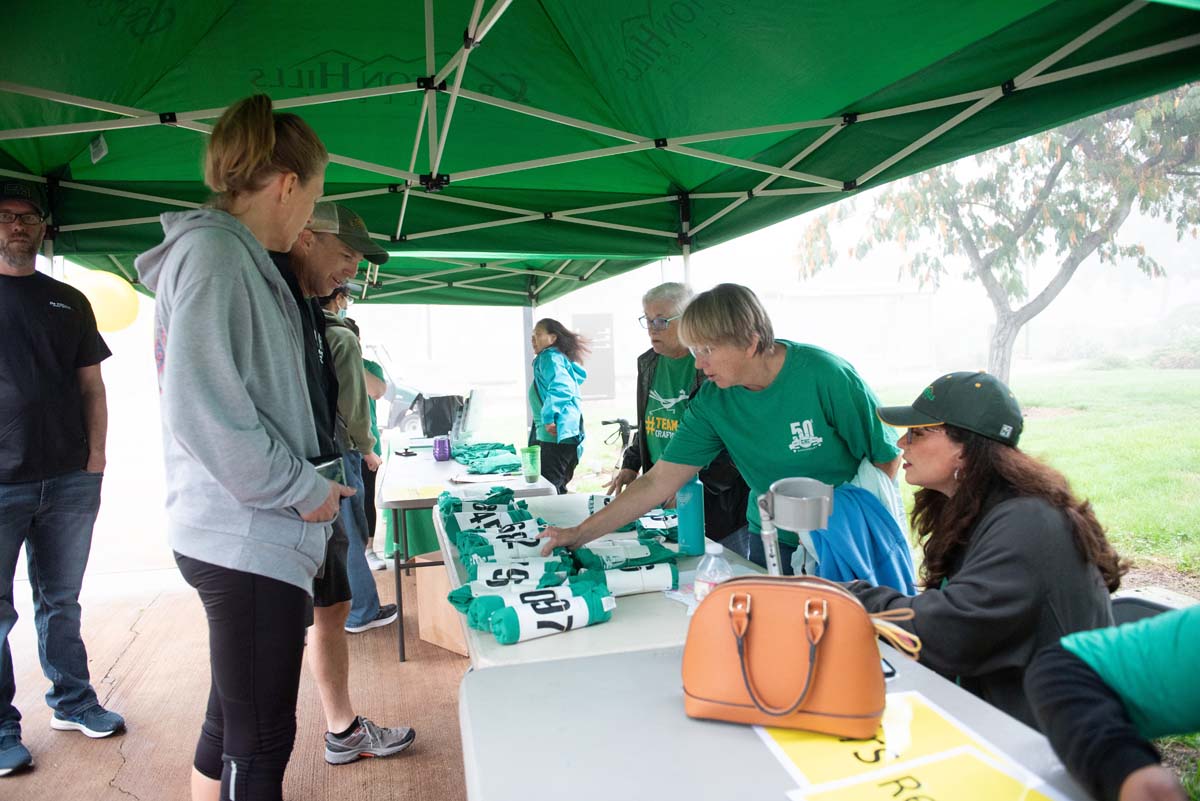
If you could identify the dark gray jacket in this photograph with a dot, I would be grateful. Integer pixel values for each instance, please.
(725, 491)
(1021, 585)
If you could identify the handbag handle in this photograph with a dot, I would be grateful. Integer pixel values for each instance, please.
(814, 629)
(901, 639)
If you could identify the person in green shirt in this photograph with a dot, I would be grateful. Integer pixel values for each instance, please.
(780, 408)
(667, 379)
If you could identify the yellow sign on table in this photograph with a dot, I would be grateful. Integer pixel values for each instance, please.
(957, 775)
(912, 729)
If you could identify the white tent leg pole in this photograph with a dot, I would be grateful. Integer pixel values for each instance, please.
(685, 239)
(527, 326)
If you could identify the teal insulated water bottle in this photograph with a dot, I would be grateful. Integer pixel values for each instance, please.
(689, 501)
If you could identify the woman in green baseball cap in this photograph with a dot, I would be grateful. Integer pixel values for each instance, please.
(1013, 560)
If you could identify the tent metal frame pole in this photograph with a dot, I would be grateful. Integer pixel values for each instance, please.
(685, 237)
(737, 133)
(1017, 84)
(108, 224)
(550, 116)
(1166, 48)
(352, 195)
(588, 275)
(412, 163)
(70, 100)
(527, 330)
(489, 289)
(628, 204)
(761, 187)
(550, 161)
(411, 290)
(530, 271)
(479, 204)
(633, 229)
(379, 169)
(121, 269)
(557, 273)
(474, 227)
(460, 70)
(103, 190)
(430, 66)
(756, 166)
(480, 34)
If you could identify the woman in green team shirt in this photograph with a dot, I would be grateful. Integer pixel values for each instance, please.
(667, 378)
(780, 408)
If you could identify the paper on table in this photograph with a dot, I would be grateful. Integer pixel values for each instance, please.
(963, 772)
(479, 478)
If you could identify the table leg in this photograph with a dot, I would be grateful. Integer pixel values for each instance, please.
(398, 526)
(404, 535)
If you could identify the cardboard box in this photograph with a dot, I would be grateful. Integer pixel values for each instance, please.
(438, 622)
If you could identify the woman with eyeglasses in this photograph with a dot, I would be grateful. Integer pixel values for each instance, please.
(1013, 560)
(780, 408)
(667, 379)
(554, 399)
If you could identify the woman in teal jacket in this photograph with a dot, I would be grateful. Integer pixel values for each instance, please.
(554, 398)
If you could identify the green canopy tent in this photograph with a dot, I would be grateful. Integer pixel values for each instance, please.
(510, 152)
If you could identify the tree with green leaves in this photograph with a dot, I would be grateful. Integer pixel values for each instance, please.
(1068, 190)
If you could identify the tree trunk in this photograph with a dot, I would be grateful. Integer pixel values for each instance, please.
(1004, 336)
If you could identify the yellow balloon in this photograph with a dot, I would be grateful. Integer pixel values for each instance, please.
(113, 300)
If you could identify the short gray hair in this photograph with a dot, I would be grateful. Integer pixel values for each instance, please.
(678, 295)
(727, 314)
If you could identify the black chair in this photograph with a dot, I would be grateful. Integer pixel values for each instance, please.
(1132, 605)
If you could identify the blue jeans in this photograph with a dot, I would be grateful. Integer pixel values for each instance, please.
(53, 519)
(749, 546)
(364, 603)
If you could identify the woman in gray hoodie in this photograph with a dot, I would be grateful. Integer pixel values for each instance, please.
(247, 511)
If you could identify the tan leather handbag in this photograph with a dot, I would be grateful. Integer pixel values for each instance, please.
(790, 651)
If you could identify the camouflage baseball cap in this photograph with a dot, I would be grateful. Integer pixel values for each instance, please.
(975, 401)
(331, 218)
(12, 189)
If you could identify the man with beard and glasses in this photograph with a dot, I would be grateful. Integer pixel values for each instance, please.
(53, 423)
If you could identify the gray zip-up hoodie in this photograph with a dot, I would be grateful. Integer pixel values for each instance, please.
(236, 419)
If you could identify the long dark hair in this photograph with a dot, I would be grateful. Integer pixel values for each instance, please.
(943, 524)
(572, 345)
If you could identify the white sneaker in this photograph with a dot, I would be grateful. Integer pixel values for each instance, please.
(374, 561)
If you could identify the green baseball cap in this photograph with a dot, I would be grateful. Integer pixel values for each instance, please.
(332, 218)
(975, 401)
(24, 190)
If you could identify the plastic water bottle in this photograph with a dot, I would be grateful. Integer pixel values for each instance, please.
(712, 571)
(689, 501)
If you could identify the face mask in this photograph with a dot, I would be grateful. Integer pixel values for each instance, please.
(341, 314)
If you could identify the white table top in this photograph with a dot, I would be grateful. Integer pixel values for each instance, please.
(414, 482)
(613, 727)
(640, 622)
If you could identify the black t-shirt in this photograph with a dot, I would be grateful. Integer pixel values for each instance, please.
(318, 361)
(47, 332)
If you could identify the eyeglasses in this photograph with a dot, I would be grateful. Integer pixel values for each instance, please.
(657, 323)
(699, 351)
(916, 433)
(8, 217)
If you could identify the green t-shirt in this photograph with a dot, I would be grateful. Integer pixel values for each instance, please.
(374, 369)
(816, 420)
(1144, 664)
(673, 382)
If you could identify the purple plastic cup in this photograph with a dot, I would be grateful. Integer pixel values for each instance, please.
(441, 448)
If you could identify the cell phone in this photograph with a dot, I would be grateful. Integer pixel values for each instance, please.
(332, 469)
(889, 672)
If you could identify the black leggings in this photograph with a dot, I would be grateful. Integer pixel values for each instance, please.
(559, 460)
(256, 646)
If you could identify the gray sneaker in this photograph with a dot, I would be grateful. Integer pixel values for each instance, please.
(367, 740)
(374, 561)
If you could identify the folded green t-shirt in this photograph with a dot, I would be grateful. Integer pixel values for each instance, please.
(631, 580)
(609, 554)
(488, 569)
(542, 613)
(659, 523)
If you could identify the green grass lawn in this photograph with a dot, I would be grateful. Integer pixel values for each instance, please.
(1129, 440)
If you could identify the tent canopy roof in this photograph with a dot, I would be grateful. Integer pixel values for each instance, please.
(577, 139)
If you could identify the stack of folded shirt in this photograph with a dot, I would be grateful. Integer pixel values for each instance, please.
(631, 580)
(658, 523)
(483, 516)
(542, 612)
(609, 554)
(487, 457)
(506, 543)
(497, 496)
